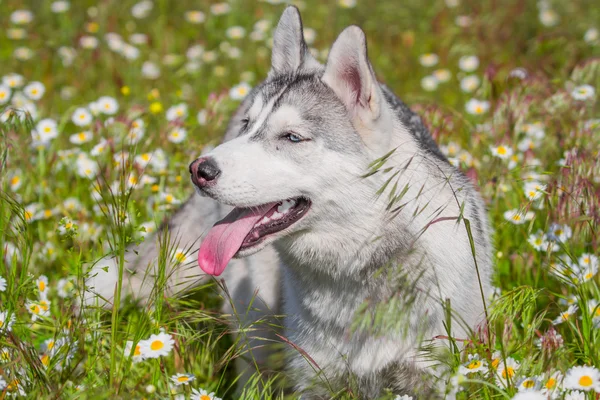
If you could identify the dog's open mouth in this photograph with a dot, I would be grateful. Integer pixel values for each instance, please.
(279, 217)
(245, 228)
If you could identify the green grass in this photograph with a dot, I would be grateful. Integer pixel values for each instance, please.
(552, 41)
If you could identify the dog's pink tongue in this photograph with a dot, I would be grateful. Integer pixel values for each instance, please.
(226, 237)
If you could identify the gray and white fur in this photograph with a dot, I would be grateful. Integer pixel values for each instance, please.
(327, 267)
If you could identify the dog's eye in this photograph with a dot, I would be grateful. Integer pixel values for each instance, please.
(292, 137)
(245, 122)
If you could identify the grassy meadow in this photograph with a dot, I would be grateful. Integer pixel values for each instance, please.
(103, 104)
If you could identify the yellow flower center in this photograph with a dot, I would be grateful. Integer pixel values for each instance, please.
(495, 362)
(179, 256)
(47, 213)
(42, 286)
(586, 260)
(28, 215)
(2, 95)
(478, 110)
(44, 305)
(169, 198)
(565, 315)
(15, 180)
(528, 384)
(34, 91)
(157, 345)
(137, 351)
(474, 364)
(81, 136)
(34, 308)
(517, 217)
(551, 383)
(155, 188)
(589, 276)
(558, 232)
(204, 397)
(81, 116)
(508, 372)
(502, 150)
(45, 360)
(183, 379)
(47, 129)
(585, 381)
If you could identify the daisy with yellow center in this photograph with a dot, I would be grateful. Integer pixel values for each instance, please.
(565, 315)
(157, 345)
(518, 217)
(42, 284)
(506, 370)
(582, 378)
(474, 364)
(203, 395)
(503, 152)
(182, 379)
(136, 355)
(240, 91)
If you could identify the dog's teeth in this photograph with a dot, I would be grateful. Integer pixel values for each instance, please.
(285, 206)
(276, 215)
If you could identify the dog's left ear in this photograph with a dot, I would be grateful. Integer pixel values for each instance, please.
(350, 75)
(290, 52)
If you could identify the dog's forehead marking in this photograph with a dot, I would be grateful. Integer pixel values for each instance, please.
(285, 116)
(256, 106)
(262, 111)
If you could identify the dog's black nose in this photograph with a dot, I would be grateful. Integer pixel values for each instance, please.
(204, 170)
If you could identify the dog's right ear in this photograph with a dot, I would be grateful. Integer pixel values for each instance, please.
(290, 52)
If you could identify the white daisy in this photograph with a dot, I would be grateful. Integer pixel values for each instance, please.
(47, 130)
(86, 167)
(237, 32)
(195, 16)
(137, 352)
(566, 315)
(582, 378)
(2, 284)
(240, 91)
(108, 105)
(21, 17)
(88, 42)
(5, 93)
(157, 345)
(518, 217)
(475, 364)
(100, 148)
(179, 111)
(429, 83)
(81, 137)
(507, 370)
(583, 92)
(182, 379)
(559, 233)
(503, 152)
(203, 395)
(6, 321)
(469, 83)
(429, 59)
(477, 107)
(177, 135)
(34, 90)
(42, 284)
(468, 63)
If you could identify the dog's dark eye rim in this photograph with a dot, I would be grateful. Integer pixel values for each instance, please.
(293, 137)
(245, 121)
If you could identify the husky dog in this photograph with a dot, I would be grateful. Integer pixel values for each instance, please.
(328, 167)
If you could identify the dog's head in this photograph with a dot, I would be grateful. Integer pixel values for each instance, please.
(304, 138)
